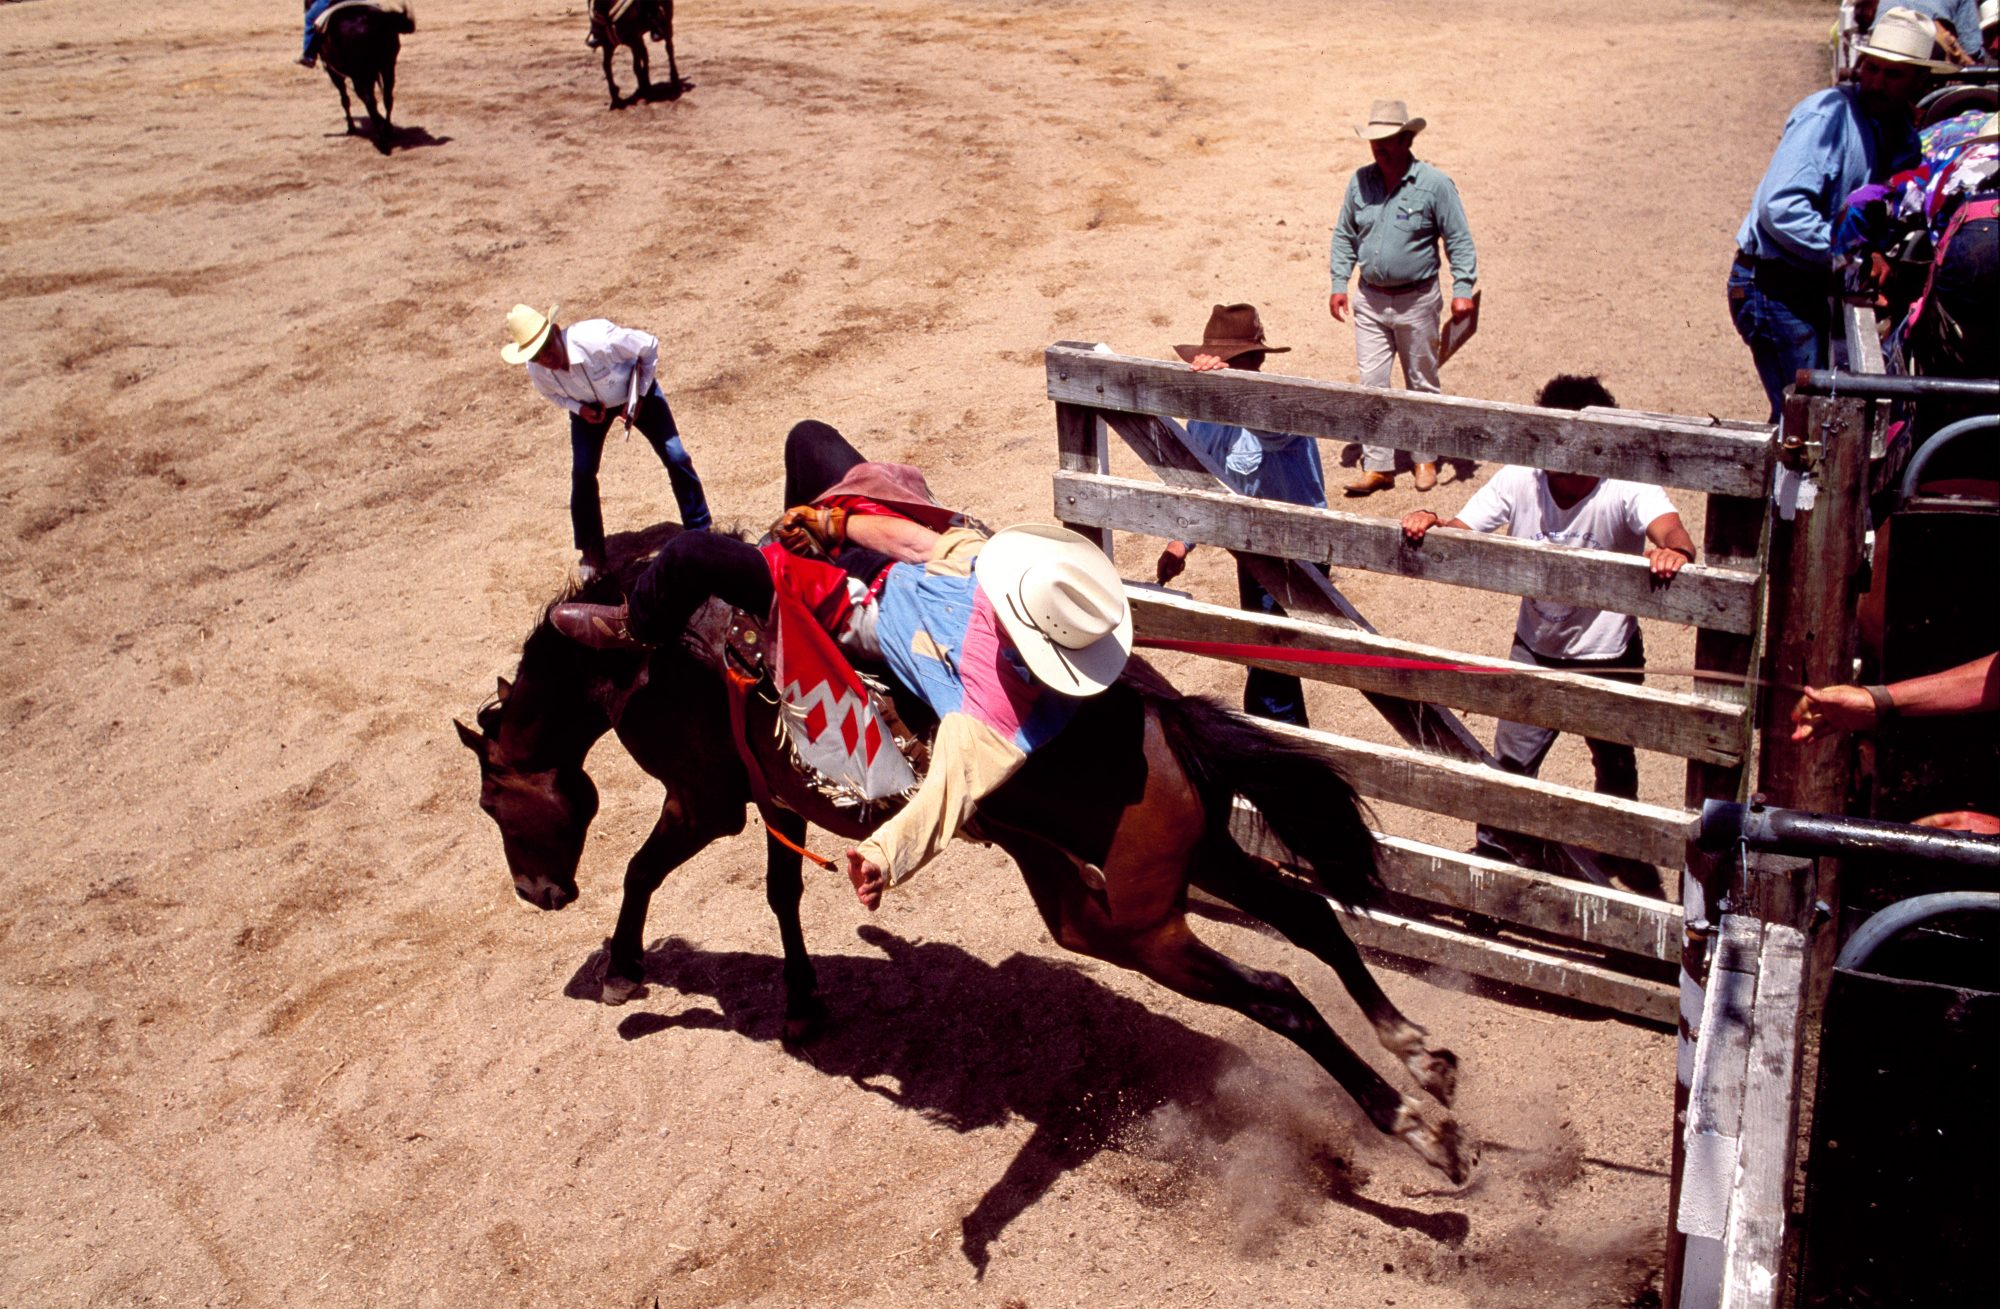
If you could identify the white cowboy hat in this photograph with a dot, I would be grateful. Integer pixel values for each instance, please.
(1385, 119)
(530, 331)
(1904, 36)
(1062, 604)
(1989, 12)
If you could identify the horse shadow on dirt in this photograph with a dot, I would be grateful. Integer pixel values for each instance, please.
(400, 138)
(968, 1045)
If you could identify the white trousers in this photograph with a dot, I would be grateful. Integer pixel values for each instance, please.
(1392, 325)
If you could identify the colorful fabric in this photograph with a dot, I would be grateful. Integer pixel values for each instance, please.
(894, 490)
(831, 719)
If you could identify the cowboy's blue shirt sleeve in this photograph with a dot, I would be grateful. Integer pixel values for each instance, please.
(1798, 207)
(1457, 234)
(1346, 237)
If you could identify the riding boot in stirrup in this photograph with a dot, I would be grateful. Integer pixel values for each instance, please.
(601, 627)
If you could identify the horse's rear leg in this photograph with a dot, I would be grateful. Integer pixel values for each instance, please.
(346, 105)
(610, 81)
(375, 120)
(1257, 888)
(784, 886)
(389, 97)
(1173, 956)
(674, 84)
(642, 67)
(675, 837)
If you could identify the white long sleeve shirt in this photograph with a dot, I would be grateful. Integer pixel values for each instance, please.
(602, 360)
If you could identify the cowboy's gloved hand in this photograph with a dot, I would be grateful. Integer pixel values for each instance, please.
(814, 531)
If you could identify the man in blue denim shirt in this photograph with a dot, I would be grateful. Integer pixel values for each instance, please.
(1834, 141)
(1269, 465)
(1395, 213)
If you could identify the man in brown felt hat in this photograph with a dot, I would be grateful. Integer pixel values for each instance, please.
(1396, 211)
(1270, 465)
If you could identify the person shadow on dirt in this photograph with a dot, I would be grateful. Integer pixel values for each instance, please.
(970, 1045)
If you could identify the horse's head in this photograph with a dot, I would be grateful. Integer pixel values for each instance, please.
(543, 809)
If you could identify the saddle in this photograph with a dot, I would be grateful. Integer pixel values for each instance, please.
(385, 6)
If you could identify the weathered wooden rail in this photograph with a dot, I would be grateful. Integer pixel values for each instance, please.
(1588, 943)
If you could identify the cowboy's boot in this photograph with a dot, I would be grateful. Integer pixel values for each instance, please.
(1370, 482)
(601, 627)
(1426, 476)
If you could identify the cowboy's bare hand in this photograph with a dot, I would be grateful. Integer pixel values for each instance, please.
(592, 412)
(1172, 563)
(1336, 304)
(1460, 308)
(1665, 561)
(869, 882)
(1963, 820)
(1846, 708)
(1417, 522)
(1207, 363)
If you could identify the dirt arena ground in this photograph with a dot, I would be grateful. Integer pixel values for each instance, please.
(276, 1031)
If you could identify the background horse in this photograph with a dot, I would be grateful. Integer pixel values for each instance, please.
(626, 22)
(1140, 785)
(360, 45)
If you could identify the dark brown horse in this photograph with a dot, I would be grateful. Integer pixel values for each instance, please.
(360, 45)
(1139, 785)
(627, 22)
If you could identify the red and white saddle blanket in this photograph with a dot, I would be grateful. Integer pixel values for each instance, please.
(840, 729)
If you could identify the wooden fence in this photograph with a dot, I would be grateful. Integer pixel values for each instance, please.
(1589, 943)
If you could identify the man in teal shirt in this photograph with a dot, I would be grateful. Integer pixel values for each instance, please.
(1396, 212)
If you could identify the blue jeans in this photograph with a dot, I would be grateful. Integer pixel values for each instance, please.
(1781, 314)
(655, 422)
(1277, 696)
(313, 11)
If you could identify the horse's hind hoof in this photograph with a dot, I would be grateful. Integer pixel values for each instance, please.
(804, 1022)
(1437, 1072)
(1461, 1152)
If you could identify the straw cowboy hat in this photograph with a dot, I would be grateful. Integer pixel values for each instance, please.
(1904, 36)
(530, 331)
(1385, 119)
(1060, 601)
(1232, 330)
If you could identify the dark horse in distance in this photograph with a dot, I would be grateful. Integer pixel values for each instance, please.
(626, 22)
(360, 46)
(1110, 824)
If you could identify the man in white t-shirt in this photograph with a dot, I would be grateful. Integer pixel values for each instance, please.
(1581, 513)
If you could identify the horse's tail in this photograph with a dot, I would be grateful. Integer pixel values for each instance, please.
(1302, 795)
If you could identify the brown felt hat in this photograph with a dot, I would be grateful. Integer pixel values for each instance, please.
(1232, 330)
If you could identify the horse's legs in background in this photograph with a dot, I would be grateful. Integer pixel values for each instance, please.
(389, 96)
(784, 885)
(674, 86)
(609, 45)
(675, 837)
(346, 105)
(1257, 888)
(642, 66)
(366, 86)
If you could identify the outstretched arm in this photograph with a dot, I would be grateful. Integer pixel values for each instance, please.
(1670, 545)
(968, 761)
(1972, 687)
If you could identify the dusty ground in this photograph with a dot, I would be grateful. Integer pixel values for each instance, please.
(275, 1030)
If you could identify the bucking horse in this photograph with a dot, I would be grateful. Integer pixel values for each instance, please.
(1110, 824)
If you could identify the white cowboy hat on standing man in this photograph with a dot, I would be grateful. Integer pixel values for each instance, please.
(1062, 604)
(530, 331)
(1387, 118)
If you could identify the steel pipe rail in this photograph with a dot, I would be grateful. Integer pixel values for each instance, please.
(1879, 386)
(1795, 832)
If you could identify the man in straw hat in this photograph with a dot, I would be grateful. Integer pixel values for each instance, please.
(1834, 141)
(1269, 465)
(1396, 211)
(1001, 638)
(598, 371)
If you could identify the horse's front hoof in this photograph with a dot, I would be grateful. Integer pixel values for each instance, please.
(804, 1022)
(617, 990)
(1461, 1152)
